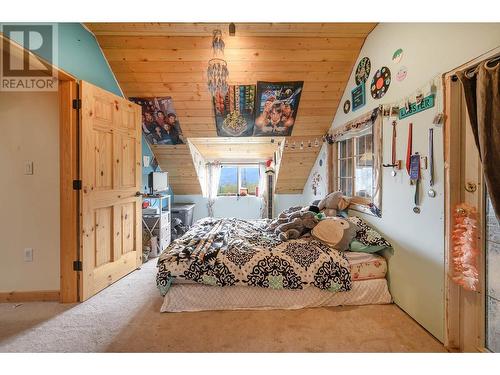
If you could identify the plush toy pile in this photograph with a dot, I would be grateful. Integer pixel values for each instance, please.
(333, 203)
(295, 222)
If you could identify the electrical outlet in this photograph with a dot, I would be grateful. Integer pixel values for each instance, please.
(28, 167)
(28, 254)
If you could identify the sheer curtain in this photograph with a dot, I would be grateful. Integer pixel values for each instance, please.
(213, 177)
(263, 190)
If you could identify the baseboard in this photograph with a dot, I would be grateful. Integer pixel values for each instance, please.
(30, 296)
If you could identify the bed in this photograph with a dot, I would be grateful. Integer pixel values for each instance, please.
(233, 264)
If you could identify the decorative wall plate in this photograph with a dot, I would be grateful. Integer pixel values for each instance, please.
(380, 82)
(363, 70)
(402, 73)
(397, 55)
(347, 106)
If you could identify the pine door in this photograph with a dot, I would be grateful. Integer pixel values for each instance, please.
(110, 170)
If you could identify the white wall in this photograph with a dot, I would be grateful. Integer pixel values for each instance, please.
(319, 168)
(284, 201)
(417, 265)
(29, 215)
(240, 207)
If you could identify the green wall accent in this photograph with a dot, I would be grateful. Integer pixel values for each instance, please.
(80, 55)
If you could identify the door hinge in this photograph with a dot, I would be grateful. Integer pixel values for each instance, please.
(77, 184)
(77, 103)
(77, 265)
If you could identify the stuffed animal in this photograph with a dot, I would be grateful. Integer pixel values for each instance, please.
(333, 203)
(295, 222)
(335, 232)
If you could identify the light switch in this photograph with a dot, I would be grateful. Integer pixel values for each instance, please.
(28, 254)
(28, 167)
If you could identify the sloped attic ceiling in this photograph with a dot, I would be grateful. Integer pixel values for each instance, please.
(170, 59)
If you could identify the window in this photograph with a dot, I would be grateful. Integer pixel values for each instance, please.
(357, 155)
(240, 179)
(355, 166)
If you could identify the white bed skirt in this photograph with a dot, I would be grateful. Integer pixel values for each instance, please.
(197, 297)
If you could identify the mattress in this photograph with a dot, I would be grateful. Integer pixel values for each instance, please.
(198, 297)
(363, 267)
(366, 266)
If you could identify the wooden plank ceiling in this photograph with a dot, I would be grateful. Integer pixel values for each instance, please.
(237, 149)
(178, 161)
(170, 59)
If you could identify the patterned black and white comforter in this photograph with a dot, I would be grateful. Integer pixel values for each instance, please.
(226, 252)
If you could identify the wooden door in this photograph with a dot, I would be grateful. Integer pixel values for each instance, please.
(110, 168)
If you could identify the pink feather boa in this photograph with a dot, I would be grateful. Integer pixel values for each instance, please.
(465, 250)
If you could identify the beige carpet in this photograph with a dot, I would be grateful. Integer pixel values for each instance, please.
(125, 318)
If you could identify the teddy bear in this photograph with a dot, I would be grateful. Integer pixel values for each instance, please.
(295, 222)
(333, 203)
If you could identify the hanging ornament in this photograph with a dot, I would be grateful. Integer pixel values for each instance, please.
(217, 42)
(309, 144)
(302, 145)
(316, 143)
(217, 72)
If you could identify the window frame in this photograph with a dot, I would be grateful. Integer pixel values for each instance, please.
(239, 167)
(373, 205)
(356, 200)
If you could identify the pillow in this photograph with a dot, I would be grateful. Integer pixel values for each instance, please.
(335, 232)
(359, 247)
(367, 235)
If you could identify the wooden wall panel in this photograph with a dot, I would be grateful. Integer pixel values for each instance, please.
(178, 162)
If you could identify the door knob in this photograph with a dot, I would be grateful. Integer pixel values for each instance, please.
(138, 194)
(471, 187)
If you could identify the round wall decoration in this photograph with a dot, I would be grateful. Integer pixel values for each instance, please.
(402, 73)
(347, 106)
(363, 70)
(380, 82)
(397, 55)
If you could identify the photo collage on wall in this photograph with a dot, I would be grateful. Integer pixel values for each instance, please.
(159, 121)
(234, 113)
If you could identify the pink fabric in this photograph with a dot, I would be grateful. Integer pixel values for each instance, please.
(465, 247)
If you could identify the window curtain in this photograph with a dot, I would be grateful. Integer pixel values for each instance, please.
(213, 174)
(482, 96)
(263, 190)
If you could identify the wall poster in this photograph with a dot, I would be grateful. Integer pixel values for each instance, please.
(234, 113)
(276, 107)
(159, 121)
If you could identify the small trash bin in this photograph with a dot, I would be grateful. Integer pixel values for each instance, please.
(184, 212)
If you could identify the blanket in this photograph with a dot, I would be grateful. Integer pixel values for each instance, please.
(226, 252)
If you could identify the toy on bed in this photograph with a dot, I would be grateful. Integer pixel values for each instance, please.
(334, 203)
(295, 222)
(335, 232)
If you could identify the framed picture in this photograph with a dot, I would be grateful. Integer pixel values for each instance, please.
(276, 108)
(358, 96)
(234, 113)
(159, 121)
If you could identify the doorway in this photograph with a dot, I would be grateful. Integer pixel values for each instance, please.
(472, 317)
